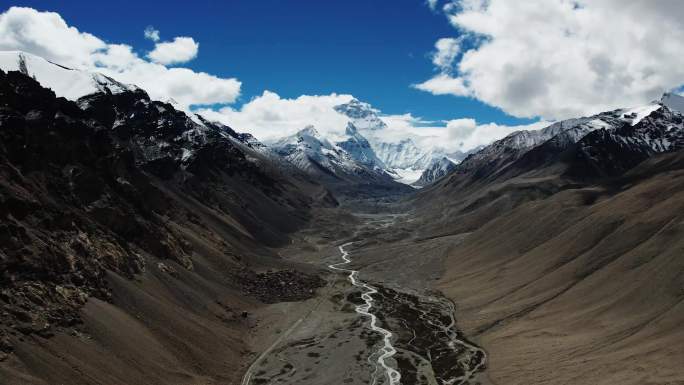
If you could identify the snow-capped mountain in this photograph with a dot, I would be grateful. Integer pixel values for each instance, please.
(358, 147)
(180, 137)
(310, 152)
(402, 155)
(605, 143)
(437, 170)
(90, 89)
(362, 115)
(65, 82)
(612, 151)
(353, 155)
(404, 160)
(351, 160)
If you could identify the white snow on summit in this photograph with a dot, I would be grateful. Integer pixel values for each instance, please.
(65, 82)
(362, 115)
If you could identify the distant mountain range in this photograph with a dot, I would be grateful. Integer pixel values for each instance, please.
(362, 158)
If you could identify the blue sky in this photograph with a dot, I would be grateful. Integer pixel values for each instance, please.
(373, 50)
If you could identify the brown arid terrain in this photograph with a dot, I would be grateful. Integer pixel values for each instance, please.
(129, 262)
(582, 287)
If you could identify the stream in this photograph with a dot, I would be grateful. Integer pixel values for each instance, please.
(387, 350)
(426, 345)
(370, 333)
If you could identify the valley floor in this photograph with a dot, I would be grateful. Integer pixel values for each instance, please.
(378, 328)
(556, 292)
(462, 307)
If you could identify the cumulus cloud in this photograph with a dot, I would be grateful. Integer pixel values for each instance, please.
(467, 134)
(462, 134)
(46, 34)
(270, 117)
(182, 49)
(151, 33)
(446, 50)
(562, 58)
(444, 84)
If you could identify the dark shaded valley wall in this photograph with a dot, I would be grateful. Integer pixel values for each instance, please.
(121, 259)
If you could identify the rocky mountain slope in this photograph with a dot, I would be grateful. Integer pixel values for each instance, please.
(578, 286)
(436, 171)
(121, 216)
(566, 267)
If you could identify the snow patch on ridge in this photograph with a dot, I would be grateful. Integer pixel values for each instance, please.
(407, 175)
(66, 82)
(637, 114)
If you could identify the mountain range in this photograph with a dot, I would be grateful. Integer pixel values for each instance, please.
(141, 243)
(366, 152)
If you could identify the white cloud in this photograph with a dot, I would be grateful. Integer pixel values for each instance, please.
(270, 117)
(182, 49)
(446, 50)
(46, 34)
(151, 33)
(460, 129)
(454, 135)
(466, 134)
(444, 84)
(432, 4)
(563, 58)
(185, 86)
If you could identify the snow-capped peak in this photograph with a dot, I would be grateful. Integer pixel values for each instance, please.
(361, 114)
(307, 139)
(66, 82)
(358, 147)
(402, 155)
(309, 130)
